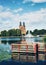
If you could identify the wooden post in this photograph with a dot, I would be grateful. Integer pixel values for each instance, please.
(36, 52)
(45, 51)
(26, 48)
(13, 46)
(18, 48)
(27, 52)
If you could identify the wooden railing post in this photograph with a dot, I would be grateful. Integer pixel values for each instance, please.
(26, 48)
(36, 52)
(18, 48)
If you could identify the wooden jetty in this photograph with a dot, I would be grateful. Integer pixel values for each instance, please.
(28, 50)
(27, 47)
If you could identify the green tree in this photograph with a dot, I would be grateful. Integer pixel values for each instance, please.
(44, 39)
(42, 32)
(4, 33)
(35, 32)
(27, 32)
(12, 32)
(0, 34)
(18, 32)
(31, 32)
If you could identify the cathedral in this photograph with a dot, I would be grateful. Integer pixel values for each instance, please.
(22, 28)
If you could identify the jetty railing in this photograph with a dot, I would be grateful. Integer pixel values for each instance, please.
(33, 49)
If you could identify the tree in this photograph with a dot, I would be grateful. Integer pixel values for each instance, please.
(35, 32)
(4, 33)
(0, 34)
(18, 32)
(31, 32)
(27, 32)
(44, 39)
(42, 32)
(12, 32)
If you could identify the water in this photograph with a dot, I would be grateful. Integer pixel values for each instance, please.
(5, 49)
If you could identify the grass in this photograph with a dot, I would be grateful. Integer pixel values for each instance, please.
(4, 55)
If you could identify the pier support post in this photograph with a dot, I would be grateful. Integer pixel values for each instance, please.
(36, 52)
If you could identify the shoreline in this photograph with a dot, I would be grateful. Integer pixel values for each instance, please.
(12, 62)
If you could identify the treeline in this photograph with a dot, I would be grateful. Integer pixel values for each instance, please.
(12, 32)
(17, 32)
(38, 32)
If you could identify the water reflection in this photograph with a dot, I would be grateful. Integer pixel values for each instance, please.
(28, 57)
(42, 56)
(23, 57)
(11, 40)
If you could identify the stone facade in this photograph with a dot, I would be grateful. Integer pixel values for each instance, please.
(23, 29)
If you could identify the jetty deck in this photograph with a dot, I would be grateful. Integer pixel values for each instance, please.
(28, 52)
(30, 48)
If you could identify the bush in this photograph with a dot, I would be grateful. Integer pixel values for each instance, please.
(44, 39)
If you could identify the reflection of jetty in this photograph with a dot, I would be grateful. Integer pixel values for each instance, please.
(28, 50)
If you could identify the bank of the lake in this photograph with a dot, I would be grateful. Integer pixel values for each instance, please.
(12, 62)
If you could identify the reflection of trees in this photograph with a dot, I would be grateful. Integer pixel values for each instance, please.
(4, 41)
(38, 39)
(11, 40)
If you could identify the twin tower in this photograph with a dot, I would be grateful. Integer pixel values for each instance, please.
(23, 24)
(22, 28)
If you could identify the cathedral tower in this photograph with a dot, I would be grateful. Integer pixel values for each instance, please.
(22, 28)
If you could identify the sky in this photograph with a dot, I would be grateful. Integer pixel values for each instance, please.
(32, 12)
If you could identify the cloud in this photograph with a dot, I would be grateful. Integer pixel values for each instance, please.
(1, 8)
(35, 16)
(38, 1)
(10, 20)
(32, 4)
(18, 10)
(35, 1)
(25, 1)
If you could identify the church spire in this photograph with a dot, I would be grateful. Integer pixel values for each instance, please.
(20, 24)
(24, 24)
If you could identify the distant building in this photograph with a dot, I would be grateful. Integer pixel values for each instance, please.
(22, 28)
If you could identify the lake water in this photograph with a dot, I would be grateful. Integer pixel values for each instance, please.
(5, 49)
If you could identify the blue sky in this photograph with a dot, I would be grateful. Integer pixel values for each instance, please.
(32, 12)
